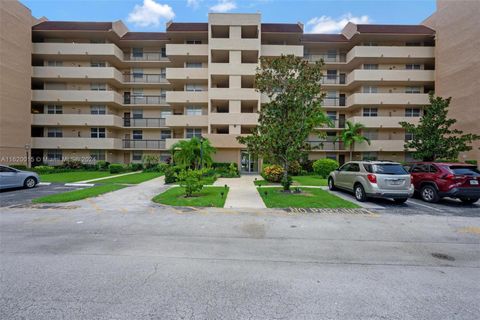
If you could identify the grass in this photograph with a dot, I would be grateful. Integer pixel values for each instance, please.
(207, 197)
(78, 194)
(309, 198)
(135, 178)
(299, 181)
(73, 176)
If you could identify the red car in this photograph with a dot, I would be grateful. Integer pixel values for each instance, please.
(433, 181)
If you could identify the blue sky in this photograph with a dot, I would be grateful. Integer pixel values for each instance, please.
(322, 16)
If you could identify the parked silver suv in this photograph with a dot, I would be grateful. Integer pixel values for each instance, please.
(376, 179)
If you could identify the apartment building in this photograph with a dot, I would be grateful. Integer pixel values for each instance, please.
(101, 92)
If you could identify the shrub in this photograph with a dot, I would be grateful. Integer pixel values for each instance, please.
(72, 164)
(226, 170)
(294, 168)
(323, 167)
(116, 168)
(286, 182)
(102, 165)
(18, 166)
(172, 172)
(161, 167)
(135, 166)
(475, 162)
(307, 165)
(149, 161)
(190, 180)
(44, 169)
(273, 173)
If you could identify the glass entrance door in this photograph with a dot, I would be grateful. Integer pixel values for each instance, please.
(249, 163)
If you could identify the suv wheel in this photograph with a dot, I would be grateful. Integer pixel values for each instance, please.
(360, 193)
(469, 200)
(30, 182)
(429, 193)
(331, 184)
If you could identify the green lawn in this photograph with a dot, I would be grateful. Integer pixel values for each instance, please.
(135, 178)
(73, 176)
(309, 198)
(309, 181)
(78, 194)
(262, 183)
(207, 197)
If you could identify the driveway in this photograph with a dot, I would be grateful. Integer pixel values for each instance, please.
(166, 263)
(20, 196)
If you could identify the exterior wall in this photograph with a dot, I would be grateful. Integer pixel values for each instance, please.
(457, 63)
(15, 70)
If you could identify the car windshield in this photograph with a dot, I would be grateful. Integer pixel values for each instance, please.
(387, 169)
(465, 170)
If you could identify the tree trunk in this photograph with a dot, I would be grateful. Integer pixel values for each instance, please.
(351, 152)
(286, 187)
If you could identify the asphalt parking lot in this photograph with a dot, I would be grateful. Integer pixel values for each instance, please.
(20, 196)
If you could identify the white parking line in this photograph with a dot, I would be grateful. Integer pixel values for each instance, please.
(424, 205)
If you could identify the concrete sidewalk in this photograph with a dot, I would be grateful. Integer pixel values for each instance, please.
(243, 193)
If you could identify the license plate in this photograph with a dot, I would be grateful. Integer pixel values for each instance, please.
(473, 182)
(396, 182)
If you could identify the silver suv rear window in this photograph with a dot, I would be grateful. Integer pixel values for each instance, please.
(387, 168)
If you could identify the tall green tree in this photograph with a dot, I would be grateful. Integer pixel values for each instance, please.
(353, 134)
(433, 138)
(293, 111)
(190, 153)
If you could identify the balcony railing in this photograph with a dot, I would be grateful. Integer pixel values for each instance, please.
(337, 123)
(143, 144)
(326, 145)
(334, 101)
(144, 122)
(342, 57)
(146, 56)
(144, 99)
(333, 79)
(144, 78)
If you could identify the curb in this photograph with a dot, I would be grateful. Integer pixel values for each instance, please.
(79, 184)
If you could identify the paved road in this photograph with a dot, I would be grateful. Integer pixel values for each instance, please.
(167, 263)
(20, 196)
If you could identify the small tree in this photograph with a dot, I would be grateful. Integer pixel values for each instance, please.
(191, 153)
(191, 181)
(351, 135)
(293, 88)
(433, 137)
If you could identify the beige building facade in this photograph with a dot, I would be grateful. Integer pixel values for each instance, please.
(95, 91)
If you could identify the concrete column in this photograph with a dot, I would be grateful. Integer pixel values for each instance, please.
(235, 106)
(235, 32)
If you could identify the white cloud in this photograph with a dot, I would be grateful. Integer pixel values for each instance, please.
(151, 13)
(224, 6)
(325, 24)
(193, 3)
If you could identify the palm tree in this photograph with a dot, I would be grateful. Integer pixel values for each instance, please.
(193, 153)
(352, 134)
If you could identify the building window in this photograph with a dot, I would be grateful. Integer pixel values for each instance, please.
(98, 86)
(54, 63)
(97, 133)
(408, 136)
(54, 155)
(332, 156)
(332, 115)
(370, 66)
(54, 132)
(371, 134)
(194, 111)
(370, 89)
(137, 73)
(54, 109)
(194, 41)
(412, 112)
(165, 157)
(165, 113)
(331, 74)
(193, 87)
(193, 65)
(165, 134)
(137, 134)
(194, 132)
(137, 155)
(98, 64)
(98, 109)
(137, 114)
(412, 89)
(370, 112)
(412, 66)
(163, 52)
(163, 93)
(137, 52)
(97, 155)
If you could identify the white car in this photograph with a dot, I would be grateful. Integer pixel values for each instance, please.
(14, 178)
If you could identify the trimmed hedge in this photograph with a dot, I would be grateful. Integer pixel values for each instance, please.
(116, 168)
(324, 166)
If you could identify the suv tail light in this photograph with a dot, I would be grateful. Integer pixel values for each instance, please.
(372, 178)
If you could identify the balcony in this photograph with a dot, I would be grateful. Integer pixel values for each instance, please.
(224, 140)
(93, 120)
(187, 97)
(233, 68)
(333, 79)
(324, 145)
(393, 53)
(144, 100)
(144, 78)
(381, 145)
(334, 101)
(174, 49)
(146, 57)
(76, 96)
(143, 144)
(187, 73)
(233, 118)
(77, 73)
(234, 44)
(170, 142)
(186, 121)
(144, 122)
(234, 94)
(383, 122)
(74, 50)
(273, 50)
(327, 58)
(76, 143)
(387, 99)
(393, 77)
